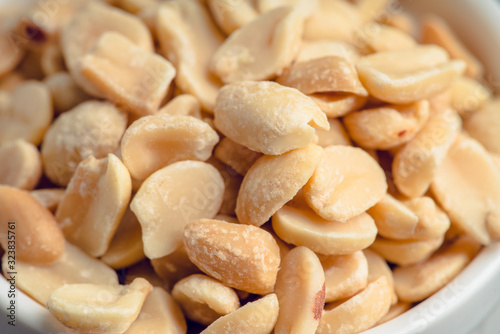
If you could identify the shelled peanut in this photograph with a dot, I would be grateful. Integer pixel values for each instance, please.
(249, 166)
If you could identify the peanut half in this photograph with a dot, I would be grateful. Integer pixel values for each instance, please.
(21, 164)
(484, 126)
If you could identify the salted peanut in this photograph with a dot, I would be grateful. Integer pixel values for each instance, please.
(395, 311)
(96, 308)
(387, 127)
(258, 317)
(359, 312)
(371, 10)
(274, 180)
(337, 104)
(145, 270)
(52, 60)
(304, 7)
(419, 281)
(393, 218)
(49, 198)
(188, 38)
(230, 16)
(416, 164)
(436, 31)
(25, 113)
(496, 160)
(467, 186)
(161, 140)
(10, 81)
(377, 266)
(310, 50)
(204, 299)
(323, 75)
(399, 20)
(21, 164)
(375, 37)
(259, 115)
(83, 31)
(345, 275)
(90, 129)
(126, 74)
(346, 183)
(159, 314)
(134, 6)
(300, 288)
(241, 256)
(432, 221)
(302, 227)
(172, 197)
(182, 105)
(64, 91)
(484, 126)
(337, 135)
(408, 75)
(94, 202)
(12, 53)
(248, 54)
(38, 238)
(332, 20)
(226, 218)
(238, 157)
(406, 252)
(174, 267)
(126, 247)
(468, 95)
(232, 184)
(74, 266)
(283, 246)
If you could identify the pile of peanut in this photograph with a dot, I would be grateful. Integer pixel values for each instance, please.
(240, 166)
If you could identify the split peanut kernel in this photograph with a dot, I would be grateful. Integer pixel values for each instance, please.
(237, 156)
(161, 140)
(337, 135)
(64, 91)
(310, 50)
(415, 165)
(91, 129)
(188, 38)
(21, 164)
(258, 317)
(26, 113)
(232, 183)
(432, 221)
(323, 75)
(85, 28)
(484, 126)
(126, 74)
(302, 227)
(38, 237)
(182, 105)
(467, 185)
(172, 197)
(272, 181)
(94, 202)
(174, 266)
(359, 312)
(345, 275)
(377, 266)
(371, 10)
(95, 308)
(346, 183)
(395, 311)
(300, 288)
(408, 251)
(49, 198)
(337, 104)
(419, 281)
(39, 280)
(468, 96)
(267, 117)
(244, 257)
(229, 16)
(374, 37)
(303, 7)
(409, 75)
(387, 127)
(260, 49)
(204, 299)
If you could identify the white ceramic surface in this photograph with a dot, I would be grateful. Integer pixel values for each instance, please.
(467, 304)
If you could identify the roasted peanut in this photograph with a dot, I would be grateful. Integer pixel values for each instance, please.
(345, 184)
(49, 198)
(95, 308)
(432, 221)
(161, 140)
(310, 50)
(175, 266)
(258, 317)
(204, 299)
(12, 52)
(409, 75)
(371, 10)
(134, 6)
(377, 266)
(260, 116)
(335, 136)
(182, 105)
(38, 237)
(248, 54)
(230, 16)
(232, 183)
(387, 127)
(64, 91)
(337, 105)
(188, 38)
(406, 252)
(395, 310)
(484, 126)
(374, 37)
(244, 257)
(300, 288)
(303, 7)
(468, 96)
(21, 164)
(345, 275)
(172, 197)
(92, 128)
(237, 156)
(145, 270)
(274, 180)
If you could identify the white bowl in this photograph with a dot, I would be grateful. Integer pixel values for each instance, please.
(464, 303)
